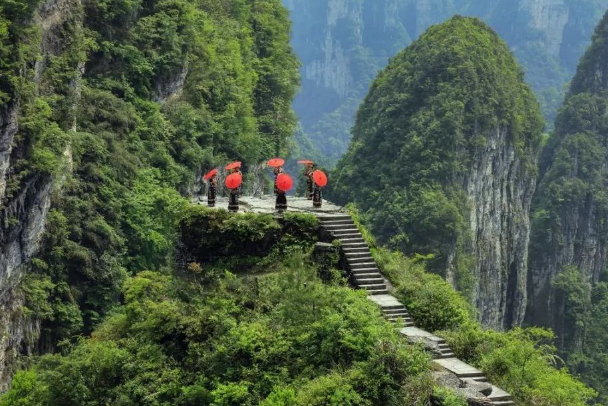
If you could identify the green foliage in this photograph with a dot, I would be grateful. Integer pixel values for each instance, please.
(284, 339)
(130, 100)
(570, 222)
(431, 301)
(425, 119)
(522, 361)
(445, 397)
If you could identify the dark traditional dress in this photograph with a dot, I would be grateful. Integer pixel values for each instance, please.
(233, 203)
(316, 197)
(211, 193)
(281, 202)
(276, 171)
(309, 183)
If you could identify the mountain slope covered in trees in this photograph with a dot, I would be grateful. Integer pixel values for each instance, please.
(443, 163)
(344, 43)
(107, 110)
(568, 251)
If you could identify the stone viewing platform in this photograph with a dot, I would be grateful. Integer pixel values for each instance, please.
(364, 273)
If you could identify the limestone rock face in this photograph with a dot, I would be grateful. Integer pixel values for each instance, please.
(23, 214)
(499, 191)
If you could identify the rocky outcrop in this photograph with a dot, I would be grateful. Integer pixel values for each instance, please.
(23, 213)
(499, 190)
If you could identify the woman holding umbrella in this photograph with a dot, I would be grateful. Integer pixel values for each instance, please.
(283, 184)
(211, 178)
(308, 170)
(277, 165)
(320, 180)
(235, 167)
(233, 182)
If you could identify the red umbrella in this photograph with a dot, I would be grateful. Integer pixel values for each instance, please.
(233, 181)
(306, 162)
(276, 162)
(210, 174)
(233, 165)
(284, 182)
(320, 178)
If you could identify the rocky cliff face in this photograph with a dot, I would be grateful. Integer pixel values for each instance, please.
(499, 189)
(23, 213)
(342, 44)
(570, 210)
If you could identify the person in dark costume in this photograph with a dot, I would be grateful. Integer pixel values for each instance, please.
(233, 203)
(211, 191)
(309, 182)
(281, 201)
(240, 188)
(316, 196)
(277, 171)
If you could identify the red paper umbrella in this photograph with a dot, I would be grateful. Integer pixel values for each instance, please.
(233, 181)
(306, 162)
(276, 162)
(233, 165)
(320, 178)
(210, 174)
(284, 182)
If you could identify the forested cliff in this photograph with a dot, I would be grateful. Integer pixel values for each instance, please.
(443, 159)
(107, 109)
(344, 43)
(568, 250)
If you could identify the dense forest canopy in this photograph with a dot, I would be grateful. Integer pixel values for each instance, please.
(123, 103)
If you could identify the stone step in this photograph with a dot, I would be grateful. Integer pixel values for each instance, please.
(373, 286)
(404, 319)
(371, 275)
(329, 223)
(350, 241)
(361, 265)
(480, 379)
(335, 217)
(344, 230)
(371, 269)
(347, 235)
(442, 346)
(504, 403)
(395, 311)
(355, 260)
(339, 226)
(356, 248)
(362, 254)
(355, 245)
(378, 292)
(369, 280)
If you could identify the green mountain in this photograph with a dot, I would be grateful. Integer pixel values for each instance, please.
(443, 163)
(568, 279)
(107, 110)
(343, 44)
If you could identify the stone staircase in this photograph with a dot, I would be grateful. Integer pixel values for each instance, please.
(365, 274)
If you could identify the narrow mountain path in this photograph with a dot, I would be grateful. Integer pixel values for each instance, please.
(365, 274)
